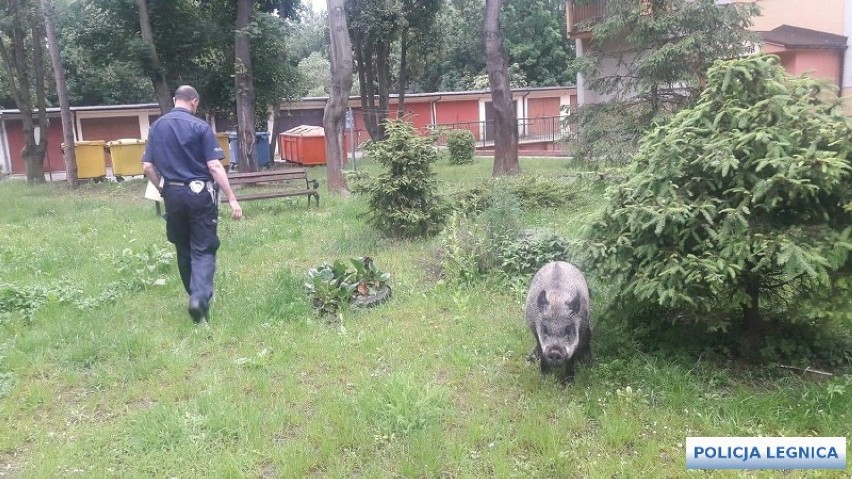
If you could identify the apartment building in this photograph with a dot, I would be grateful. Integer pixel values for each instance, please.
(810, 37)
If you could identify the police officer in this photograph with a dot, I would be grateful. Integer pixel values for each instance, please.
(183, 152)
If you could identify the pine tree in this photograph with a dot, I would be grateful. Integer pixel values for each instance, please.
(740, 199)
(404, 200)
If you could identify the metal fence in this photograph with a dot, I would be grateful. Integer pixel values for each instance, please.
(544, 130)
(541, 129)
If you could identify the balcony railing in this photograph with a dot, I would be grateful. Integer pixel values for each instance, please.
(581, 13)
(542, 129)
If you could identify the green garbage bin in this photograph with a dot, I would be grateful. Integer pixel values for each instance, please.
(126, 157)
(91, 160)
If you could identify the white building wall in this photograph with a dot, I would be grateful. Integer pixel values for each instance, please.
(5, 159)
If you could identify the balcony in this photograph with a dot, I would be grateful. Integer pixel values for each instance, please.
(582, 14)
(541, 132)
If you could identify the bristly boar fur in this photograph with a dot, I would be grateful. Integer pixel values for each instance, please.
(557, 313)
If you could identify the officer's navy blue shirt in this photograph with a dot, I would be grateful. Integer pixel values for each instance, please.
(180, 145)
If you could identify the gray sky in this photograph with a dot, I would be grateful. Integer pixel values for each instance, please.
(317, 5)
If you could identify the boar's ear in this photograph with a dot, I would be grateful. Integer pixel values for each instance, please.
(574, 305)
(542, 300)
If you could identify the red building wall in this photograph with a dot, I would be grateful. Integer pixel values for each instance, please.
(419, 114)
(457, 111)
(53, 160)
(542, 116)
(110, 128)
(542, 107)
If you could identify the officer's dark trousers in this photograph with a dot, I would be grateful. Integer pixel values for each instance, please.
(191, 220)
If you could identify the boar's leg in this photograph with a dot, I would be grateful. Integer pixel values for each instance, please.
(535, 354)
(586, 352)
(567, 376)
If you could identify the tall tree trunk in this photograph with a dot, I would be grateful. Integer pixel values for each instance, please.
(69, 152)
(367, 78)
(505, 119)
(403, 72)
(246, 153)
(158, 77)
(19, 67)
(383, 74)
(334, 119)
(37, 158)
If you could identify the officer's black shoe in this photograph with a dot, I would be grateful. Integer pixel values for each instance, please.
(197, 310)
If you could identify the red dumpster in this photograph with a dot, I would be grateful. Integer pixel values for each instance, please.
(304, 144)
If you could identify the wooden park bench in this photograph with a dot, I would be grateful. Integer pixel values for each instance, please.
(271, 184)
(274, 184)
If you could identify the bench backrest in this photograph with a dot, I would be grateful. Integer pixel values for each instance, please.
(265, 176)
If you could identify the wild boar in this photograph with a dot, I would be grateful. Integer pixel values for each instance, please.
(557, 312)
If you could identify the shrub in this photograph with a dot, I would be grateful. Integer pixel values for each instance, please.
(525, 255)
(503, 219)
(357, 182)
(493, 243)
(461, 147)
(404, 200)
(531, 191)
(738, 208)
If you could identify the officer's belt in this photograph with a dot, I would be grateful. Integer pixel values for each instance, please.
(186, 183)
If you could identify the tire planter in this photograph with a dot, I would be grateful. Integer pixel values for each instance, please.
(382, 295)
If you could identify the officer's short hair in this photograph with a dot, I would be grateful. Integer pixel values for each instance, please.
(186, 93)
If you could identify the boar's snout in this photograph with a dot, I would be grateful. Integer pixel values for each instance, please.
(555, 355)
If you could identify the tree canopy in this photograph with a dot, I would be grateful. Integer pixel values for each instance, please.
(648, 59)
(107, 61)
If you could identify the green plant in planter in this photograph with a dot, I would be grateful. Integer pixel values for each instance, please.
(332, 288)
(369, 279)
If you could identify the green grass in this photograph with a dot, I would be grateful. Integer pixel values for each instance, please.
(105, 376)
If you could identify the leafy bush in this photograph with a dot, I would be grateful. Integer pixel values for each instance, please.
(470, 245)
(737, 209)
(145, 267)
(494, 243)
(542, 192)
(531, 191)
(503, 219)
(404, 200)
(332, 288)
(357, 182)
(24, 301)
(461, 147)
(524, 256)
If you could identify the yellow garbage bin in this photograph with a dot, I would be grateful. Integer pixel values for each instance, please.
(91, 161)
(222, 138)
(126, 157)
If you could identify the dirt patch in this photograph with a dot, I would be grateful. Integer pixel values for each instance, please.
(10, 464)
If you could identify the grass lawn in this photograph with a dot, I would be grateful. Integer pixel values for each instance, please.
(102, 373)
